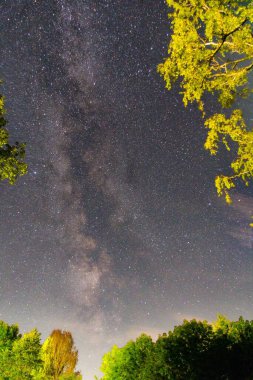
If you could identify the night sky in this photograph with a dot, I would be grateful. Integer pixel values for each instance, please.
(117, 228)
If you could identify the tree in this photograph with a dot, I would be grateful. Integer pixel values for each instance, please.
(182, 351)
(211, 51)
(73, 376)
(19, 355)
(195, 350)
(59, 355)
(23, 357)
(12, 163)
(235, 339)
(8, 335)
(128, 362)
(26, 356)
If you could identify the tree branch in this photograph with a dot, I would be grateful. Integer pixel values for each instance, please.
(223, 39)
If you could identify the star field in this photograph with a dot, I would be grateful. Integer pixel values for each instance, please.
(117, 228)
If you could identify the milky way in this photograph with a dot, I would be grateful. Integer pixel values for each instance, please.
(117, 228)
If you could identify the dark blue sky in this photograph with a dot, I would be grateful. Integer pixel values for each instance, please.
(117, 228)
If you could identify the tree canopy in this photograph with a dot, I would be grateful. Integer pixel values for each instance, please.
(211, 51)
(194, 350)
(128, 362)
(59, 354)
(12, 163)
(24, 357)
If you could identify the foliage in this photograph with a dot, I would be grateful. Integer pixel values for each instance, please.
(26, 356)
(127, 362)
(229, 130)
(8, 335)
(211, 51)
(19, 355)
(12, 163)
(183, 349)
(23, 356)
(194, 350)
(59, 355)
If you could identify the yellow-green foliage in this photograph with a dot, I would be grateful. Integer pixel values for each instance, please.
(227, 130)
(211, 51)
(211, 48)
(24, 358)
(193, 350)
(12, 163)
(59, 355)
